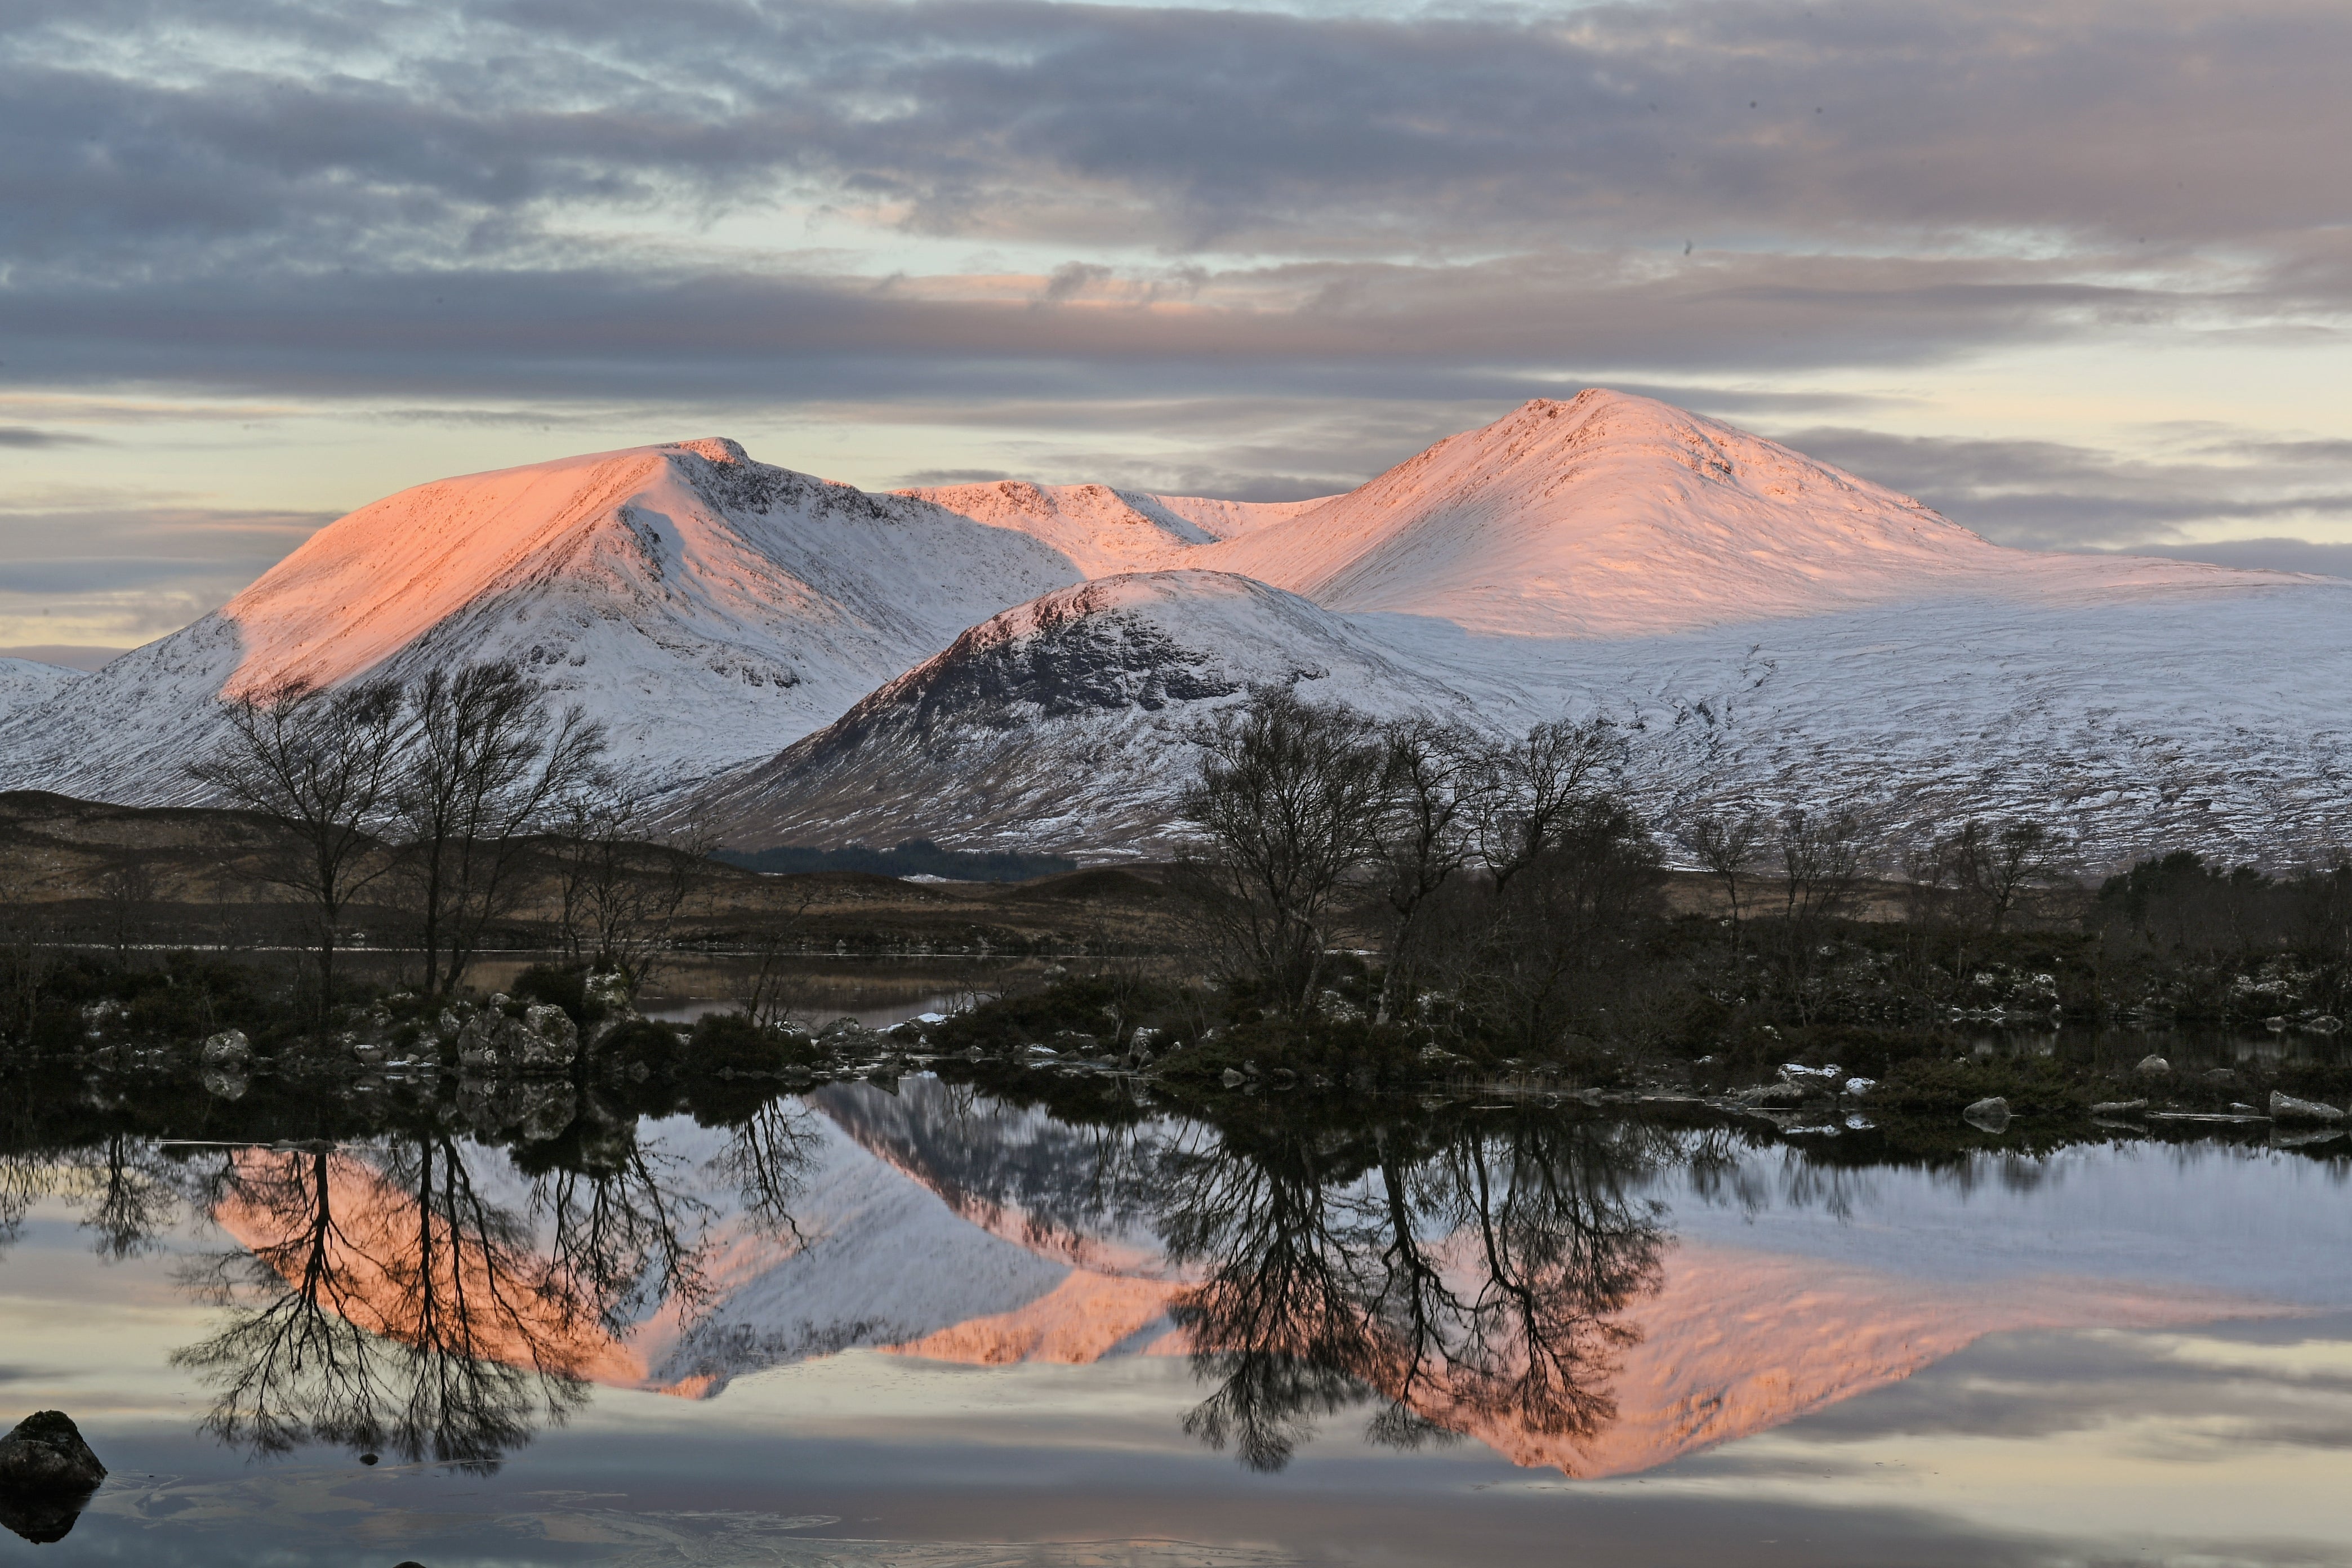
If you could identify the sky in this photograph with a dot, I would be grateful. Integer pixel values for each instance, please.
(2077, 274)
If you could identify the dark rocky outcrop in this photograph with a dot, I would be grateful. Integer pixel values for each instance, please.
(47, 1475)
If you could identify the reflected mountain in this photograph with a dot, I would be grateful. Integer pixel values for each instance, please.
(1592, 1296)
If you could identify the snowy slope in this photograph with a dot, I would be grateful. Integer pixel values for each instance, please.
(1060, 720)
(706, 607)
(1769, 632)
(1105, 531)
(1614, 516)
(2153, 723)
(24, 682)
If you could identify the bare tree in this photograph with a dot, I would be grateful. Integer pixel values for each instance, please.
(1548, 943)
(1425, 834)
(126, 886)
(1822, 857)
(320, 764)
(772, 987)
(487, 766)
(1728, 847)
(624, 877)
(1534, 785)
(1287, 796)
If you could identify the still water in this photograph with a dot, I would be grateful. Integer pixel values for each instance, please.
(908, 1323)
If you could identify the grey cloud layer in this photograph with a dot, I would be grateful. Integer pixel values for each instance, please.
(513, 200)
(2048, 494)
(2129, 120)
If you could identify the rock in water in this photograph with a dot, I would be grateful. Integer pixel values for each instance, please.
(229, 1050)
(2153, 1065)
(2119, 1108)
(1992, 1113)
(45, 1456)
(2287, 1107)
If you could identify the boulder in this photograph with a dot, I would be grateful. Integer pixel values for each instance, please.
(1991, 1113)
(229, 1050)
(224, 1084)
(1858, 1087)
(1768, 1095)
(2153, 1065)
(553, 1038)
(2287, 1107)
(2119, 1108)
(45, 1456)
(544, 1039)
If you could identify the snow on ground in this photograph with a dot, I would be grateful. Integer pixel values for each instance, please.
(1771, 631)
(24, 682)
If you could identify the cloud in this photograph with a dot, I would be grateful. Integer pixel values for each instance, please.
(24, 437)
(2271, 554)
(301, 196)
(116, 576)
(1255, 253)
(2050, 494)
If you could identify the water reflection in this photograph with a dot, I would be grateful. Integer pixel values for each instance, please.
(436, 1278)
(1465, 1276)
(382, 1302)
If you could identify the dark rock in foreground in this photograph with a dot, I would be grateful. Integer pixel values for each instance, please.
(46, 1474)
(45, 1456)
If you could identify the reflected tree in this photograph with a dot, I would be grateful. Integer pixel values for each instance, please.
(128, 1191)
(1462, 1277)
(625, 1240)
(768, 1158)
(383, 1303)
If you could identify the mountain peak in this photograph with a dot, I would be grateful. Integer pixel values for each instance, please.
(716, 448)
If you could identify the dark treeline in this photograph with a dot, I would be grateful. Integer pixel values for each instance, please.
(1370, 890)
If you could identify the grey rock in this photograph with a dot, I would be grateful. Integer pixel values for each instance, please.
(1858, 1087)
(544, 1039)
(2153, 1065)
(1232, 1079)
(2287, 1107)
(45, 1456)
(224, 1083)
(229, 1050)
(554, 1040)
(1772, 1094)
(2119, 1107)
(2323, 1024)
(1991, 1113)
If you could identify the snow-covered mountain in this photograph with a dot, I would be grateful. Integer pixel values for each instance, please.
(1061, 719)
(706, 607)
(1015, 665)
(1767, 630)
(1106, 531)
(26, 682)
(1610, 516)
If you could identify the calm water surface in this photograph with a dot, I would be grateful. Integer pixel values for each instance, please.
(915, 1325)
